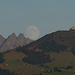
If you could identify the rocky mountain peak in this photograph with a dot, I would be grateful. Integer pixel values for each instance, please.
(21, 35)
(12, 42)
(13, 35)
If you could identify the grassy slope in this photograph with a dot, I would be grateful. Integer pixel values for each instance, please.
(21, 68)
(62, 59)
(63, 73)
(13, 55)
(24, 69)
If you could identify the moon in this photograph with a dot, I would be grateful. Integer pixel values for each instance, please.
(32, 32)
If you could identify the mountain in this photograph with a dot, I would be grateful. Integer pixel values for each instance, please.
(44, 49)
(56, 42)
(9, 43)
(21, 40)
(1, 39)
(52, 54)
(13, 41)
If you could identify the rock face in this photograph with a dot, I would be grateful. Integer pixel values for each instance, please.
(1, 39)
(13, 41)
(21, 40)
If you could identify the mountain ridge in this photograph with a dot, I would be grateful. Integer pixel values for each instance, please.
(60, 37)
(40, 50)
(54, 50)
(13, 41)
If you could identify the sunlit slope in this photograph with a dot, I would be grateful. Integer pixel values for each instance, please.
(14, 56)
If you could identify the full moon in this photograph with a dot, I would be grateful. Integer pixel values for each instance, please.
(32, 32)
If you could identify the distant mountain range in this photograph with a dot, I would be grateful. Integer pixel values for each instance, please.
(13, 41)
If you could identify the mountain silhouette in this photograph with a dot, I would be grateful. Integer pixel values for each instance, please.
(57, 41)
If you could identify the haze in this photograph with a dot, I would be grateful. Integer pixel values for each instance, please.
(47, 15)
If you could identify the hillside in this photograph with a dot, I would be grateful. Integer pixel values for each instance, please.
(56, 42)
(53, 54)
(39, 52)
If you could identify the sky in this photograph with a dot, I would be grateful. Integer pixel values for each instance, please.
(48, 15)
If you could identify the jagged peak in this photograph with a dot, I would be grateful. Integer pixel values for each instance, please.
(13, 35)
(21, 35)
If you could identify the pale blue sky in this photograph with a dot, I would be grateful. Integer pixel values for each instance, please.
(47, 15)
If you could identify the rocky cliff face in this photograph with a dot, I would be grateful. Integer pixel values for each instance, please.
(21, 40)
(1, 39)
(13, 41)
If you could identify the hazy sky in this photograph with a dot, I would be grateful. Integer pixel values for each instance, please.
(47, 15)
